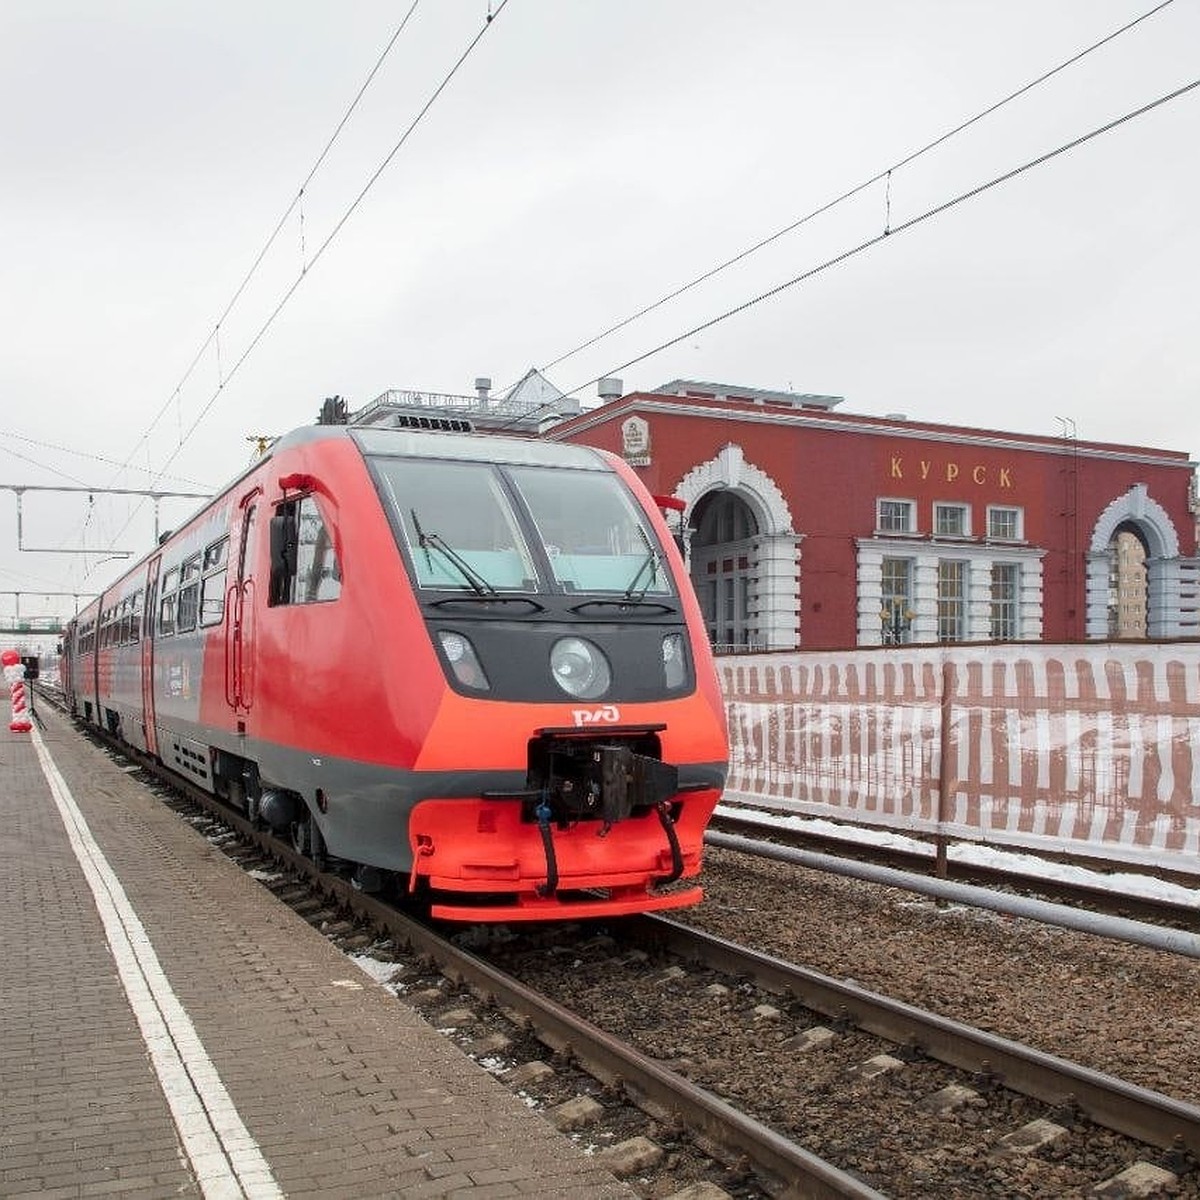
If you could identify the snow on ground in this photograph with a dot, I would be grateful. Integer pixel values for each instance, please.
(379, 971)
(974, 854)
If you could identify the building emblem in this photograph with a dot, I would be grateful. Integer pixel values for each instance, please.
(635, 442)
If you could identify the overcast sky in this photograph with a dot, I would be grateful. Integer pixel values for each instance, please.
(588, 157)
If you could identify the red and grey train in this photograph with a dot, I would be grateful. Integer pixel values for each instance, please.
(468, 661)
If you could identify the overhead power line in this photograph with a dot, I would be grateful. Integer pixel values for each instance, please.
(110, 462)
(891, 233)
(851, 192)
(304, 274)
(338, 227)
(214, 335)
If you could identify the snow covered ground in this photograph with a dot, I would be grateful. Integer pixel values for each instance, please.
(975, 854)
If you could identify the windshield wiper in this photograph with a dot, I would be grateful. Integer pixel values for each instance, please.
(652, 561)
(475, 581)
(624, 604)
(450, 601)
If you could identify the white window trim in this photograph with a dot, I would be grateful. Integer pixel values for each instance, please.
(913, 517)
(1018, 581)
(1020, 537)
(871, 551)
(965, 509)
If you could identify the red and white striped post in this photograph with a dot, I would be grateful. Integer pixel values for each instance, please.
(14, 674)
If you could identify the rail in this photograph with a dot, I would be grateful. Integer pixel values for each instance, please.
(1112, 1103)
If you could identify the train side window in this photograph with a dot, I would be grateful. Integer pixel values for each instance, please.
(189, 595)
(304, 563)
(318, 573)
(212, 588)
(106, 628)
(135, 617)
(284, 532)
(166, 609)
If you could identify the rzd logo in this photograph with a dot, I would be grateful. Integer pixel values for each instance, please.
(610, 714)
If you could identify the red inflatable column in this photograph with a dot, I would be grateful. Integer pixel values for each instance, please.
(14, 675)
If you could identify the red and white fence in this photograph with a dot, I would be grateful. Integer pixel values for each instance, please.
(1092, 749)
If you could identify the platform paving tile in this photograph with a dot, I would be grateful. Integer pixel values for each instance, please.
(345, 1089)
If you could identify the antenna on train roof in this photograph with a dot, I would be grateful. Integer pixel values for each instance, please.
(262, 442)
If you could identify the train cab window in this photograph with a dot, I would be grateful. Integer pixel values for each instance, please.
(304, 562)
(212, 587)
(170, 597)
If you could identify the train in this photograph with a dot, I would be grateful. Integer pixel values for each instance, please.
(465, 666)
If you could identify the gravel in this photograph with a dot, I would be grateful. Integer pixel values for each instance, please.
(1117, 1008)
(1124, 1009)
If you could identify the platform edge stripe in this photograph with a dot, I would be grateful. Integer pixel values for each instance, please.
(222, 1151)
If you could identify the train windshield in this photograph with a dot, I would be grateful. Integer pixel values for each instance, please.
(594, 535)
(467, 526)
(459, 524)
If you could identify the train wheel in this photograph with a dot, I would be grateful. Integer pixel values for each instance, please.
(302, 835)
(307, 840)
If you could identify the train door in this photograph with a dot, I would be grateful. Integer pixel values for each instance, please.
(149, 625)
(66, 665)
(239, 628)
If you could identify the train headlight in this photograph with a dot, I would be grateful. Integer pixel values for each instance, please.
(674, 663)
(580, 668)
(463, 660)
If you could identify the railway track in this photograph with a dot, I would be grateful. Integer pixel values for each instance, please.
(432, 970)
(885, 1074)
(916, 1104)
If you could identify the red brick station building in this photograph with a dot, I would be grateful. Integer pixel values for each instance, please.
(811, 528)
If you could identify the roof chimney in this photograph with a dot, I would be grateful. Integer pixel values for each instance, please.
(609, 389)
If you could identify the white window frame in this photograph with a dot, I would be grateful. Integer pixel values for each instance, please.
(1019, 535)
(953, 608)
(911, 509)
(941, 506)
(896, 611)
(1004, 614)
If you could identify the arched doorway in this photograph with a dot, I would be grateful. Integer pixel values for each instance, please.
(746, 522)
(722, 551)
(1136, 524)
(1128, 592)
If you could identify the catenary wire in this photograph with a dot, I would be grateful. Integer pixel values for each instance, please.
(851, 192)
(886, 235)
(491, 17)
(215, 333)
(53, 470)
(108, 462)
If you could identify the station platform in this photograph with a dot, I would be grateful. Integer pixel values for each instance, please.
(168, 1028)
